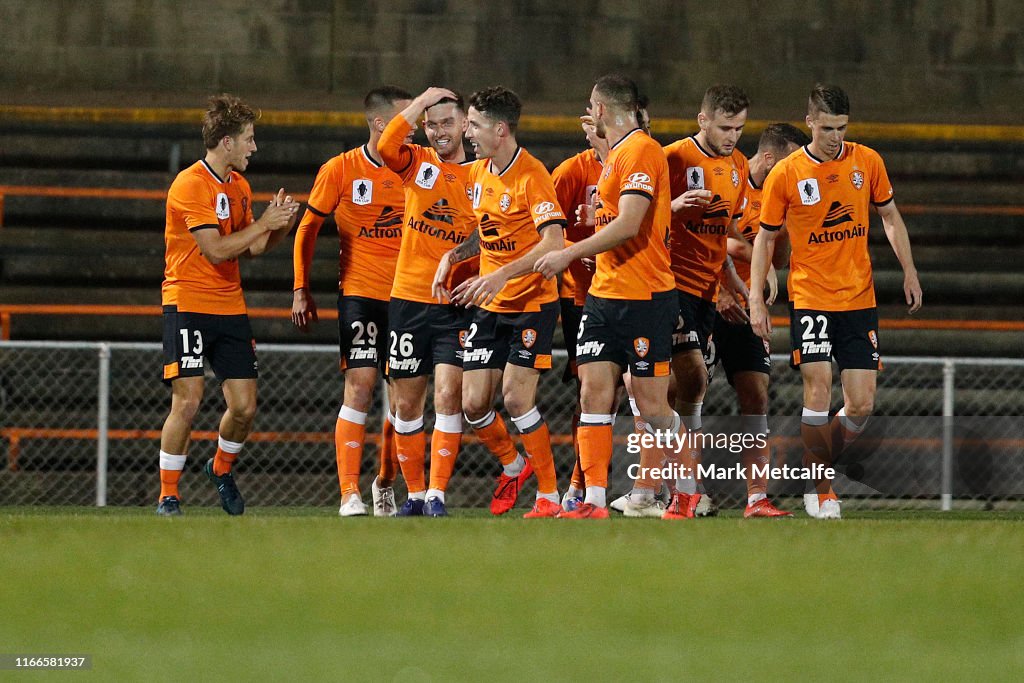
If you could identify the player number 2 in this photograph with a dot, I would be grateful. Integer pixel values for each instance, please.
(198, 347)
(401, 346)
(808, 323)
(368, 330)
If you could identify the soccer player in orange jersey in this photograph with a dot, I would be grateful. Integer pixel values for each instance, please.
(575, 182)
(708, 176)
(425, 336)
(510, 336)
(733, 344)
(821, 194)
(630, 310)
(367, 199)
(209, 226)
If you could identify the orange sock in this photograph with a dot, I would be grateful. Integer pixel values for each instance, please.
(170, 472)
(596, 453)
(348, 450)
(650, 459)
(386, 452)
(444, 449)
(538, 448)
(496, 437)
(576, 480)
(411, 450)
(227, 453)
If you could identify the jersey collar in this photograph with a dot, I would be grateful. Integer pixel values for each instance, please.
(816, 160)
(366, 153)
(213, 173)
(623, 139)
(511, 163)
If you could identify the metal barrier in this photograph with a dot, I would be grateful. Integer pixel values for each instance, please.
(79, 424)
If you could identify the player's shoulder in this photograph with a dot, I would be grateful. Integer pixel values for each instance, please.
(240, 181)
(195, 178)
(740, 161)
(682, 147)
(527, 163)
(861, 151)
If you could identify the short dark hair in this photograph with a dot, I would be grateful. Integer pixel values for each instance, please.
(382, 100)
(828, 99)
(777, 136)
(458, 101)
(619, 92)
(226, 115)
(498, 103)
(727, 98)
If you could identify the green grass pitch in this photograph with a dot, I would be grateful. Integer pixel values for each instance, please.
(303, 595)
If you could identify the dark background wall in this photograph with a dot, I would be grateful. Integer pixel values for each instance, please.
(905, 60)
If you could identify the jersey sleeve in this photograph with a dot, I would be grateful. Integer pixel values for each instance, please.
(569, 185)
(192, 198)
(638, 167)
(543, 200)
(881, 187)
(774, 202)
(397, 155)
(326, 193)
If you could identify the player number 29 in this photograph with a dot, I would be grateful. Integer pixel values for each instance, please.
(369, 331)
(401, 346)
(808, 323)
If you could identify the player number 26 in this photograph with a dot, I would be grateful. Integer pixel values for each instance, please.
(401, 346)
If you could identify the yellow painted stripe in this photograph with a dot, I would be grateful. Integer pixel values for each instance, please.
(532, 123)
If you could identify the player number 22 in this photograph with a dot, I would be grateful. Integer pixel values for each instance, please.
(808, 323)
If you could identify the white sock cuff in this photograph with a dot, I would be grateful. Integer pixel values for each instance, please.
(848, 423)
(632, 407)
(814, 418)
(391, 418)
(229, 446)
(754, 424)
(595, 419)
(352, 415)
(526, 423)
(408, 426)
(677, 422)
(449, 424)
(172, 462)
(691, 414)
(483, 421)
(435, 493)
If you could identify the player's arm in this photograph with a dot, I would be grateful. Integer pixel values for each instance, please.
(625, 226)
(481, 291)
(218, 248)
(760, 261)
(463, 252)
(896, 233)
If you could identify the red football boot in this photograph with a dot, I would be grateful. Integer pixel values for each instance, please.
(507, 491)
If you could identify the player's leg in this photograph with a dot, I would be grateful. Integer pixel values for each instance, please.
(689, 344)
(350, 435)
(529, 354)
(814, 428)
(570, 320)
(186, 396)
(597, 398)
(857, 353)
(410, 394)
(446, 440)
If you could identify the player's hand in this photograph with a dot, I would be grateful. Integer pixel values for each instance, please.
(437, 288)
(589, 263)
(912, 290)
(773, 285)
(431, 96)
(585, 215)
(551, 264)
(303, 309)
(760, 321)
(479, 291)
(280, 213)
(692, 199)
(730, 309)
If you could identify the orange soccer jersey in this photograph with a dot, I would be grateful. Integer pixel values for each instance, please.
(512, 207)
(575, 182)
(438, 210)
(200, 200)
(824, 206)
(699, 235)
(640, 266)
(367, 201)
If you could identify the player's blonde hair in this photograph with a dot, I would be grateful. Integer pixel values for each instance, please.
(226, 115)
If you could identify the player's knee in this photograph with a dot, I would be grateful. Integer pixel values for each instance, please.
(475, 405)
(448, 400)
(861, 406)
(753, 401)
(185, 408)
(516, 403)
(358, 394)
(243, 411)
(408, 408)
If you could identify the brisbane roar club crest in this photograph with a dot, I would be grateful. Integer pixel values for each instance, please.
(857, 178)
(874, 339)
(735, 178)
(462, 338)
(505, 202)
(529, 337)
(641, 345)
